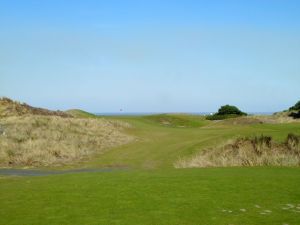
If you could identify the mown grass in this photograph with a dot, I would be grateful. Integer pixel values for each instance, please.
(173, 197)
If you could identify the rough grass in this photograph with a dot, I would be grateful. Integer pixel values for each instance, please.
(259, 119)
(257, 151)
(52, 140)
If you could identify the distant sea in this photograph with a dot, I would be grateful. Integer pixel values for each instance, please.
(155, 113)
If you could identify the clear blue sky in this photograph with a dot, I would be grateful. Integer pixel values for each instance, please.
(151, 55)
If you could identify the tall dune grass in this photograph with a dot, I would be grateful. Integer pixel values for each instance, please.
(52, 140)
(256, 151)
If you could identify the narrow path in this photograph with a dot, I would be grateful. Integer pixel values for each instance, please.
(37, 172)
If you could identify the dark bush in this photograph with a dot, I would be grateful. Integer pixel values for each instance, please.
(295, 115)
(225, 112)
(229, 109)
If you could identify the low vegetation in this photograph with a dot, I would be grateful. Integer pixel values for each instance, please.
(256, 151)
(52, 140)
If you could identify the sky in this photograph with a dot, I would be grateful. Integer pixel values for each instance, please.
(151, 55)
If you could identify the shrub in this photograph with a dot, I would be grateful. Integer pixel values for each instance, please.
(296, 106)
(225, 112)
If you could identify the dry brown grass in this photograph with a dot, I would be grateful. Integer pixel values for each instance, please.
(52, 140)
(260, 119)
(9, 107)
(257, 151)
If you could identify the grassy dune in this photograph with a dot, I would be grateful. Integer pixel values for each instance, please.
(51, 140)
(248, 151)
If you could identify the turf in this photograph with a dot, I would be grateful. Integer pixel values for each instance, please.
(151, 191)
(187, 196)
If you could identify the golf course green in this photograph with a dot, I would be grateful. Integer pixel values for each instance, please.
(144, 187)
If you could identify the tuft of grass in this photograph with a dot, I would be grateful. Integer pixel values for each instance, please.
(293, 143)
(256, 151)
(52, 140)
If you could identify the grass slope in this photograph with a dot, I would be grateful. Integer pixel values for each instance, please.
(177, 120)
(78, 113)
(160, 146)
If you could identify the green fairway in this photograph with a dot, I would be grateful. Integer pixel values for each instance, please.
(188, 196)
(152, 191)
(159, 145)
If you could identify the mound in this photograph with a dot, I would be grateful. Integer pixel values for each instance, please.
(177, 120)
(244, 120)
(80, 113)
(51, 140)
(9, 107)
(257, 151)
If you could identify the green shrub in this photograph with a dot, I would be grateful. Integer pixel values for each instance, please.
(230, 109)
(226, 112)
(296, 106)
